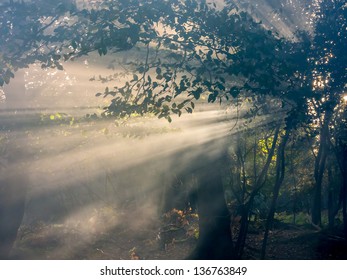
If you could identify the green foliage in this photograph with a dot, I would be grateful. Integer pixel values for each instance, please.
(206, 53)
(181, 52)
(27, 37)
(211, 53)
(301, 218)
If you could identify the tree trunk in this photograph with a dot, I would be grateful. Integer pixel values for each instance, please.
(319, 169)
(344, 191)
(12, 179)
(280, 170)
(241, 240)
(215, 240)
(341, 156)
(331, 216)
(247, 207)
(12, 204)
(333, 207)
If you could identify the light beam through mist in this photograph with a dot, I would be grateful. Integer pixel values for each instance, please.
(87, 175)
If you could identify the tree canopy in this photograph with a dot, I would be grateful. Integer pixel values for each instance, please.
(187, 48)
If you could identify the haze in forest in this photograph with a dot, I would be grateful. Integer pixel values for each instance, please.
(88, 175)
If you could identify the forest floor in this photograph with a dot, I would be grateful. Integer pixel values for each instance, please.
(291, 242)
(175, 241)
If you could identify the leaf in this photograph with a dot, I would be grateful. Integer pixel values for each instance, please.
(180, 106)
(74, 44)
(220, 86)
(173, 46)
(234, 92)
(7, 80)
(196, 93)
(189, 110)
(104, 50)
(212, 98)
(59, 66)
(9, 73)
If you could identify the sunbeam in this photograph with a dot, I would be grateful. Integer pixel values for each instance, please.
(84, 175)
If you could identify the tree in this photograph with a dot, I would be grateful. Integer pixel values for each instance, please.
(190, 50)
(188, 54)
(327, 61)
(23, 41)
(222, 56)
(280, 171)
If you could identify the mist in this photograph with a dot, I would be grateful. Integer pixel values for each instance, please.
(99, 187)
(285, 17)
(86, 176)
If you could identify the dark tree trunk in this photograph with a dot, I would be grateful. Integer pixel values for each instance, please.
(12, 203)
(344, 190)
(247, 207)
(334, 202)
(319, 170)
(280, 170)
(12, 179)
(295, 196)
(215, 240)
(317, 203)
(341, 156)
(331, 215)
(244, 223)
(180, 194)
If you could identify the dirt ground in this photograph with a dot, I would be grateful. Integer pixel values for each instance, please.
(173, 238)
(298, 243)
